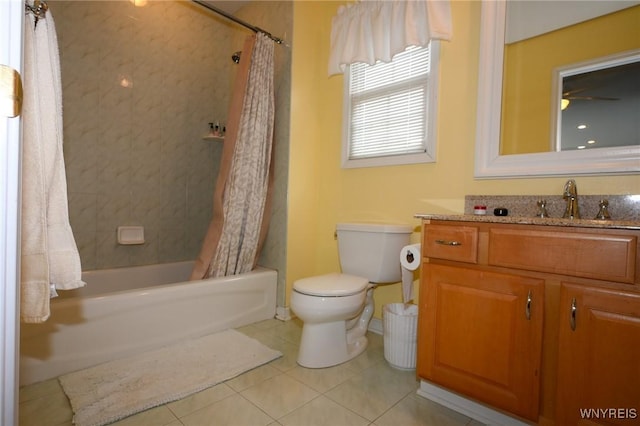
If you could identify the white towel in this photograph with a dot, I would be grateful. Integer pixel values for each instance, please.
(49, 252)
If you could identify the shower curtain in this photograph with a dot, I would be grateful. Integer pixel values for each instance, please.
(241, 201)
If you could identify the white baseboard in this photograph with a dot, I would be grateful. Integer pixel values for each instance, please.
(283, 313)
(375, 326)
(469, 408)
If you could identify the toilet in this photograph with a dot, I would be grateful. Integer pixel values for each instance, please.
(336, 308)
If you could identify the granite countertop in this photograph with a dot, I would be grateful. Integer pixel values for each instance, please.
(521, 220)
(624, 210)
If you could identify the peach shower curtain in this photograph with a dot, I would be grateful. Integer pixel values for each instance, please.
(241, 200)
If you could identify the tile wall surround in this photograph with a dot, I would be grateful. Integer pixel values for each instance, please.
(621, 207)
(140, 85)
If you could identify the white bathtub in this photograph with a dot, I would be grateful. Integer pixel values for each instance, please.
(125, 311)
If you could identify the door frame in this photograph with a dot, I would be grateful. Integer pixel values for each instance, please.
(11, 35)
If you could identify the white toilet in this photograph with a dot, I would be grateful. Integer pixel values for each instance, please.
(336, 308)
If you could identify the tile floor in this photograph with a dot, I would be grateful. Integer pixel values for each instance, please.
(364, 391)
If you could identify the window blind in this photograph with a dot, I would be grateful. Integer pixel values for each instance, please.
(389, 106)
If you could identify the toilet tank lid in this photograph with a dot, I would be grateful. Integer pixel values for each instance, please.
(388, 228)
(334, 284)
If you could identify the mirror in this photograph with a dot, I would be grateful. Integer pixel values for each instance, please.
(490, 163)
(597, 103)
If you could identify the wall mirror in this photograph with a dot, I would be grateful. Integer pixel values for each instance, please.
(513, 82)
(599, 103)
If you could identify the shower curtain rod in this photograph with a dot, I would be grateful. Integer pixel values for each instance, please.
(239, 21)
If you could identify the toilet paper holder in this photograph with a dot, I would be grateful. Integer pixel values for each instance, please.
(409, 262)
(410, 257)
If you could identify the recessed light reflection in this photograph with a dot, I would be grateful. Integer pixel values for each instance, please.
(581, 147)
(582, 126)
(125, 81)
(591, 142)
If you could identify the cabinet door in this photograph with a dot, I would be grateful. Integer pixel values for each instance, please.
(598, 357)
(481, 335)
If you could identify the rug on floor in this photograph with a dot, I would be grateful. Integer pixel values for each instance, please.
(117, 389)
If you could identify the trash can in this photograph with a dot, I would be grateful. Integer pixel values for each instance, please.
(400, 332)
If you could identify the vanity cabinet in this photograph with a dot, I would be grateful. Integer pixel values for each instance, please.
(483, 335)
(598, 356)
(537, 321)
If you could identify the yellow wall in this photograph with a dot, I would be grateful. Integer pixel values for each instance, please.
(322, 194)
(530, 65)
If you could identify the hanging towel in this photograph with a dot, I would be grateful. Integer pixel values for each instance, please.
(49, 258)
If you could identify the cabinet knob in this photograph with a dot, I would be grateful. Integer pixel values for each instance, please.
(572, 316)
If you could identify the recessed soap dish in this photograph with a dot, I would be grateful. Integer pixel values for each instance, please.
(130, 235)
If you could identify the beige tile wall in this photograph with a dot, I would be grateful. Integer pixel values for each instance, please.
(139, 87)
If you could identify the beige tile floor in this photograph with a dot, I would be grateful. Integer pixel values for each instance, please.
(364, 391)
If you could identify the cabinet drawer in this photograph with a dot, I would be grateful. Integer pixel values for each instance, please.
(601, 256)
(459, 243)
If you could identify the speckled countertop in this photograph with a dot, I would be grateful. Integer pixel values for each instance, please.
(624, 210)
(550, 221)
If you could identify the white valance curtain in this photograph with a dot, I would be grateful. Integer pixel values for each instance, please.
(371, 31)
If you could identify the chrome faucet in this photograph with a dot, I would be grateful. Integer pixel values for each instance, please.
(571, 195)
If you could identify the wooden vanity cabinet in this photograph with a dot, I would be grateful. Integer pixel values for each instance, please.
(495, 319)
(598, 356)
(483, 336)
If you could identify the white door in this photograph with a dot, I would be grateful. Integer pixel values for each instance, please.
(11, 30)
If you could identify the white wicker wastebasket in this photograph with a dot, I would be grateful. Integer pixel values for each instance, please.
(400, 329)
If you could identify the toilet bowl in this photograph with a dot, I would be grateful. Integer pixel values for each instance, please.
(336, 308)
(324, 303)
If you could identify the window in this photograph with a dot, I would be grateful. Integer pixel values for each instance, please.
(390, 110)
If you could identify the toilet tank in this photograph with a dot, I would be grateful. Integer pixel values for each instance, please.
(372, 250)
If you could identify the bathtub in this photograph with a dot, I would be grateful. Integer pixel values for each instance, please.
(125, 311)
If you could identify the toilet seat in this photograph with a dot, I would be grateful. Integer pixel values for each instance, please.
(331, 285)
